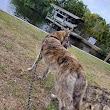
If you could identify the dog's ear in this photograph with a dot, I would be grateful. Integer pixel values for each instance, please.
(68, 32)
(63, 28)
(66, 29)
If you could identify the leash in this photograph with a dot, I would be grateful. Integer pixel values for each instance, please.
(30, 89)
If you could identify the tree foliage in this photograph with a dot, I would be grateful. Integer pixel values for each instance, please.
(41, 6)
(29, 3)
(97, 27)
(76, 7)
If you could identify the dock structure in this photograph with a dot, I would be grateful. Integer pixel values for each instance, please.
(63, 18)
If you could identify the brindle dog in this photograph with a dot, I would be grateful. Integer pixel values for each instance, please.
(70, 83)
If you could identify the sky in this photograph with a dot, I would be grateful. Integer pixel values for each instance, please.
(101, 7)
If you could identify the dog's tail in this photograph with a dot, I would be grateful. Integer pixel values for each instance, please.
(79, 89)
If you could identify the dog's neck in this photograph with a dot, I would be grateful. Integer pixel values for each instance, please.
(59, 35)
(55, 37)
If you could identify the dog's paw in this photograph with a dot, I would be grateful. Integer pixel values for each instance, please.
(41, 78)
(29, 69)
(53, 96)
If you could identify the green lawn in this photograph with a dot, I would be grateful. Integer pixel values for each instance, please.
(19, 45)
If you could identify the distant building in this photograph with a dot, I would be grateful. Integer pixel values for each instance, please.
(63, 18)
(92, 40)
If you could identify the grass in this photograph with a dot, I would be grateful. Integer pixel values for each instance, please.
(19, 44)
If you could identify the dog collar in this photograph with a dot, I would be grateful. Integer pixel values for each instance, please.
(55, 37)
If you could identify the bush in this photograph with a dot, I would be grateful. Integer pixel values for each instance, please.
(103, 50)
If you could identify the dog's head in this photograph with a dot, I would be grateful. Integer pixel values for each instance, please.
(63, 36)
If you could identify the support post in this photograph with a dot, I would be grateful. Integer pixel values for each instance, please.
(108, 56)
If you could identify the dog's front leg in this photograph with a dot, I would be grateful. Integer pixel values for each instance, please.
(45, 74)
(36, 62)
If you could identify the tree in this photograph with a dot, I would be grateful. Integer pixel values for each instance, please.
(76, 7)
(96, 26)
(41, 6)
(29, 3)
